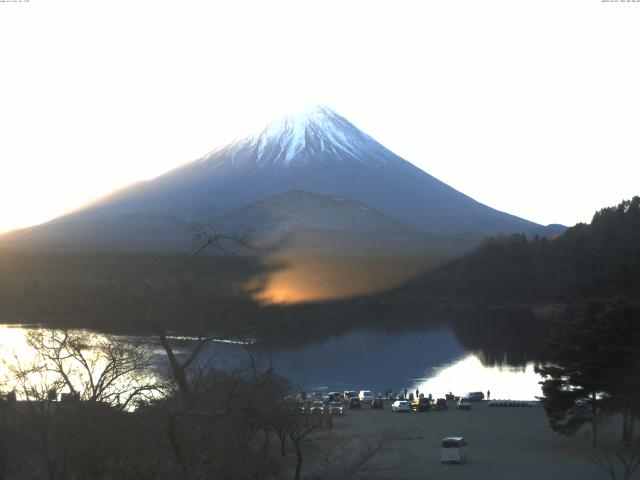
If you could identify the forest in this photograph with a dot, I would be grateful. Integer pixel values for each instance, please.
(600, 259)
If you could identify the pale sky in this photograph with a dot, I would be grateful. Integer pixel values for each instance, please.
(531, 107)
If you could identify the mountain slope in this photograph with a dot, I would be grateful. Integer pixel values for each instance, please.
(121, 233)
(295, 223)
(317, 151)
(299, 210)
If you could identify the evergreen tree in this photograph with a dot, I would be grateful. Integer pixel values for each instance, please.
(575, 386)
(619, 326)
(596, 363)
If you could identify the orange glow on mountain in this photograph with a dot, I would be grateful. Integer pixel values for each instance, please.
(330, 278)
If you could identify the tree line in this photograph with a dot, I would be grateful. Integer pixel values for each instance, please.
(599, 259)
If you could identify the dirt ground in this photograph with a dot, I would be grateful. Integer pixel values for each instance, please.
(503, 443)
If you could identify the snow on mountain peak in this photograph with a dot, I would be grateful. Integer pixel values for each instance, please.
(313, 134)
(293, 131)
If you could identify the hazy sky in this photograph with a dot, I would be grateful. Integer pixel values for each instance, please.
(532, 107)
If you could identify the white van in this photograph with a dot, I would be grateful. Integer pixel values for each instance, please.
(452, 450)
(365, 396)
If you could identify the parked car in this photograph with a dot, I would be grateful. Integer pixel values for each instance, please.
(441, 404)
(329, 397)
(420, 405)
(400, 406)
(348, 394)
(317, 406)
(336, 408)
(365, 396)
(452, 450)
(354, 402)
(464, 404)
(314, 397)
(377, 403)
(335, 396)
(475, 396)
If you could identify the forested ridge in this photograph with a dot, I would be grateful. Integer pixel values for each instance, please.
(600, 259)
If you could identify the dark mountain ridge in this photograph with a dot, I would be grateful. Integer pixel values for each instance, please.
(298, 210)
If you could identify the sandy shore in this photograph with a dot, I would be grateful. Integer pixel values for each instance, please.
(504, 443)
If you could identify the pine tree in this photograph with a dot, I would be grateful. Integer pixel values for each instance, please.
(595, 370)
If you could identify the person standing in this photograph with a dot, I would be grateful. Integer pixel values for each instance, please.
(488, 394)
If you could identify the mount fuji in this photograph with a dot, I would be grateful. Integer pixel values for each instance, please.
(312, 171)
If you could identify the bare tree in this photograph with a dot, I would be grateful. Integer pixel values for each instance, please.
(282, 416)
(105, 378)
(299, 431)
(155, 301)
(35, 416)
(4, 454)
(618, 459)
(188, 372)
(349, 456)
(90, 367)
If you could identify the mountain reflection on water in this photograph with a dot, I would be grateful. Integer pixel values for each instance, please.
(456, 357)
(434, 361)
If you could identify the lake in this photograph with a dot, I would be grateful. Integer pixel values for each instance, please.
(433, 360)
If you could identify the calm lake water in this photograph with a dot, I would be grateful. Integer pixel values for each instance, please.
(432, 360)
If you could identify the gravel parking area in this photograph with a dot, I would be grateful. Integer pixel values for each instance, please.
(503, 443)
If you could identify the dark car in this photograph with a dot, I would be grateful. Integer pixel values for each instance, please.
(441, 404)
(464, 404)
(354, 402)
(334, 396)
(377, 403)
(420, 405)
(349, 394)
(474, 396)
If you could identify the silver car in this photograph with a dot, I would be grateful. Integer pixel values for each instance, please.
(336, 408)
(400, 406)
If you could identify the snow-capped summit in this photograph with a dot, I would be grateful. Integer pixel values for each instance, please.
(313, 134)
